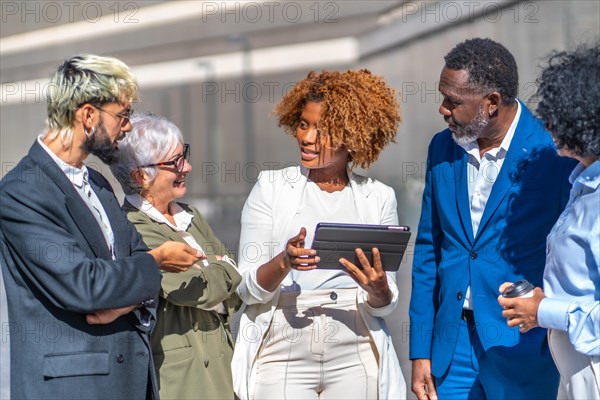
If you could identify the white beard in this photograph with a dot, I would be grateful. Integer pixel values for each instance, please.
(471, 131)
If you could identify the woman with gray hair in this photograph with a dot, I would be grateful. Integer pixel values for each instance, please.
(192, 342)
(96, 287)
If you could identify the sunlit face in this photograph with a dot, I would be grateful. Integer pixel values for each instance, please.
(463, 108)
(111, 128)
(314, 144)
(169, 183)
(116, 119)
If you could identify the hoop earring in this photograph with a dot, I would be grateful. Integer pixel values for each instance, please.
(91, 132)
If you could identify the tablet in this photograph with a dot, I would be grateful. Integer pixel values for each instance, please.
(334, 241)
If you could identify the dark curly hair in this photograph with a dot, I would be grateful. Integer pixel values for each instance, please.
(358, 110)
(569, 99)
(490, 65)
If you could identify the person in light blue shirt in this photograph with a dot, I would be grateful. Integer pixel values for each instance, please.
(569, 92)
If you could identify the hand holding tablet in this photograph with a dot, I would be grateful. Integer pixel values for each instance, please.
(334, 241)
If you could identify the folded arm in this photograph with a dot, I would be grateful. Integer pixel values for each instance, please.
(41, 239)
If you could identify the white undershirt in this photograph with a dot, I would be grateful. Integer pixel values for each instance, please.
(482, 173)
(320, 206)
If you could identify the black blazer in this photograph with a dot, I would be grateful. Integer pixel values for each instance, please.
(57, 269)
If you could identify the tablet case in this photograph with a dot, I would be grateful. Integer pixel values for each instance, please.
(334, 241)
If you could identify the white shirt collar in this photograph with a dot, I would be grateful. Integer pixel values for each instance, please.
(75, 175)
(473, 147)
(182, 218)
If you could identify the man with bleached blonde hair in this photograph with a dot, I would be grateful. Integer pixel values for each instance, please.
(80, 282)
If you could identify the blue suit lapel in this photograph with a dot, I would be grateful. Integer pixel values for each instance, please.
(462, 191)
(516, 159)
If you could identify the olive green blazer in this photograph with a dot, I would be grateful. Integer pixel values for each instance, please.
(192, 346)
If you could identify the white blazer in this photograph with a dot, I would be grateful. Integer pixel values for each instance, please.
(266, 217)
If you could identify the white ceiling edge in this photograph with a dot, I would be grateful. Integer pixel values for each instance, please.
(161, 14)
(257, 62)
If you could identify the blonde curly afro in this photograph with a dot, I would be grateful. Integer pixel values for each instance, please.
(358, 111)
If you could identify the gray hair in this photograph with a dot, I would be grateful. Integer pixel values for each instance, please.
(82, 79)
(150, 141)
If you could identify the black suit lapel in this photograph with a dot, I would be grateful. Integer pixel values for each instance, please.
(88, 226)
(119, 225)
(79, 211)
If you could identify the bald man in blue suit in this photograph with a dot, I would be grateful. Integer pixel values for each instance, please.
(494, 187)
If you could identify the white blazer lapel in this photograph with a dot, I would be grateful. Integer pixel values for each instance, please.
(288, 195)
(366, 205)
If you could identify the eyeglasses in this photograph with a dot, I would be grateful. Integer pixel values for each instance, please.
(123, 116)
(178, 162)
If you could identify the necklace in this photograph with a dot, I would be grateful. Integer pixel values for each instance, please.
(332, 186)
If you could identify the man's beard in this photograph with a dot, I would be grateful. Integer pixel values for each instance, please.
(100, 145)
(469, 132)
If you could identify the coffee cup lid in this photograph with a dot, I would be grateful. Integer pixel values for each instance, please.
(517, 289)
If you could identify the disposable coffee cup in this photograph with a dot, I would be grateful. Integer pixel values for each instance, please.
(522, 288)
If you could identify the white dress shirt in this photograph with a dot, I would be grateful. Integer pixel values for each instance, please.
(79, 179)
(482, 173)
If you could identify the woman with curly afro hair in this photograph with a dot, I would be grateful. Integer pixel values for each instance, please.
(308, 332)
(569, 95)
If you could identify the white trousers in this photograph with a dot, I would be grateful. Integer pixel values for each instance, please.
(317, 347)
(579, 373)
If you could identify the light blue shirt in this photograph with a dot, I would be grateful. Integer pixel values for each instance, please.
(572, 276)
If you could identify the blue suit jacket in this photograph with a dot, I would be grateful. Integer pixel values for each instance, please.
(57, 269)
(531, 190)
